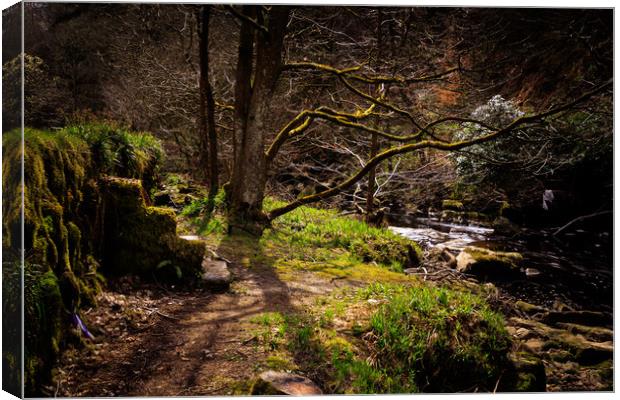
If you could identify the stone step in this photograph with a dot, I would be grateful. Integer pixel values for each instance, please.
(215, 274)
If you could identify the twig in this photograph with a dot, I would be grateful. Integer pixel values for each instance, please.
(214, 390)
(497, 383)
(217, 256)
(161, 313)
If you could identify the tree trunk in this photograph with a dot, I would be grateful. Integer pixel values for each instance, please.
(370, 217)
(207, 108)
(247, 187)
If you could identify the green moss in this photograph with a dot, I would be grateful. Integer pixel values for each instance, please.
(484, 262)
(43, 325)
(139, 238)
(311, 227)
(527, 374)
(482, 254)
(62, 218)
(528, 308)
(280, 362)
(453, 205)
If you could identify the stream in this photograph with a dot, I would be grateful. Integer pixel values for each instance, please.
(575, 269)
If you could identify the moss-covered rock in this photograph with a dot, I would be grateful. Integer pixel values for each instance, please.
(453, 205)
(528, 308)
(488, 264)
(386, 250)
(63, 215)
(585, 317)
(527, 374)
(142, 239)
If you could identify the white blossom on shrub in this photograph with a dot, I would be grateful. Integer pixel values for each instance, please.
(476, 162)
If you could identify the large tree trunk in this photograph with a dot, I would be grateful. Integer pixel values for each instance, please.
(247, 187)
(207, 108)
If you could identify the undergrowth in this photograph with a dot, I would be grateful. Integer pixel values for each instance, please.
(389, 338)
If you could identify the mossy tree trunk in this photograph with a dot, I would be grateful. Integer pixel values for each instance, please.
(252, 97)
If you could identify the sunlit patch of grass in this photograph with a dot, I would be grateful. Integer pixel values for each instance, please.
(313, 240)
(308, 226)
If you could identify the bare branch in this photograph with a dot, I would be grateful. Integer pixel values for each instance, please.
(429, 144)
(245, 18)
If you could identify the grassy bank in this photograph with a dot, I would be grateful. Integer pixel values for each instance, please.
(382, 331)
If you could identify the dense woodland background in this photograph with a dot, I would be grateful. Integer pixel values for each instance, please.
(139, 65)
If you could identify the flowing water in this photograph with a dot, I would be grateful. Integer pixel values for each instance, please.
(575, 269)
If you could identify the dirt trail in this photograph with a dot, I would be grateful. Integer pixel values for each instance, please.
(184, 343)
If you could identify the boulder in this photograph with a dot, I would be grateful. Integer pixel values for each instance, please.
(215, 274)
(488, 264)
(584, 350)
(283, 383)
(452, 216)
(448, 258)
(532, 273)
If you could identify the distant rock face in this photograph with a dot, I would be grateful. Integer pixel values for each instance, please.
(215, 274)
(282, 383)
(488, 264)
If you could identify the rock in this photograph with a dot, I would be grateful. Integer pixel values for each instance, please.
(215, 274)
(588, 318)
(532, 272)
(141, 239)
(282, 383)
(528, 308)
(452, 216)
(485, 263)
(595, 333)
(502, 225)
(584, 351)
(534, 345)
(559, 355)
(559, 306)
(527, 375)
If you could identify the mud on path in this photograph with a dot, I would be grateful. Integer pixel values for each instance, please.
(154, 342)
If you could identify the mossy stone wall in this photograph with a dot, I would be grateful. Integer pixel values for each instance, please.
(64, 227)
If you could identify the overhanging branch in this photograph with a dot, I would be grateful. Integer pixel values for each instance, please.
(445, 146)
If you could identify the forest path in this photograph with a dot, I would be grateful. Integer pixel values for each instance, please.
(152, 342)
